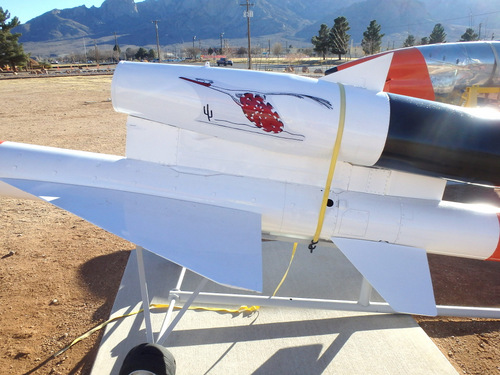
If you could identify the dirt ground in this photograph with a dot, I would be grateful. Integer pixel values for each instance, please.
(59, 275)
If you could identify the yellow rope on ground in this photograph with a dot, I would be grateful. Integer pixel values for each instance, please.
(165, 306)
(331, 170)
(95, 329)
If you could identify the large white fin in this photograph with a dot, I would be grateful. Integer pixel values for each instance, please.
(219, 243)
(371, 74)
(400, 274)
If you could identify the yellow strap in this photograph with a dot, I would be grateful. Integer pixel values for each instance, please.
(165, 306)
(288, 269)
(331, 170)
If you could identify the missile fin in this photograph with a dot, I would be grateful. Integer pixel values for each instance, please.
(371, 74)
(221, 244)
(400, 274)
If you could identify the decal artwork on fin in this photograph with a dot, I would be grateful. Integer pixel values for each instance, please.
(256, 107)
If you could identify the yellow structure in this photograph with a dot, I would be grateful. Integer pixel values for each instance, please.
(471, 94)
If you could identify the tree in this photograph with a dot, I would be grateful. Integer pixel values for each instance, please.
(321, 41)
(469, 36)
(151, 54)
(372, 39)
(277, 49)
(438, 35)
(306, 51)
(130, 53)
(242, 51)
(116, 52)
(141, 54)
(424, 41)
(11, 51)
(409, 41)
(192, 52)
(339, 39)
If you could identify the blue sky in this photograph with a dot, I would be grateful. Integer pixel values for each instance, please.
(25, 10)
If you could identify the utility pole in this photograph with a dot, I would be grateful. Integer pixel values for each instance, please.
(85, 50)
(157, 39)
(96, 53)
(248, 13)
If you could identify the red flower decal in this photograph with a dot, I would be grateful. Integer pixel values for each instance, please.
(261, 113)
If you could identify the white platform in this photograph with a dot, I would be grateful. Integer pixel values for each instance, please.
(274, 340)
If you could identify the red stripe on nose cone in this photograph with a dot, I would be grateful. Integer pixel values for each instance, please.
(496, 253)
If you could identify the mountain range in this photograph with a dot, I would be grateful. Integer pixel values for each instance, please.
(294, 21)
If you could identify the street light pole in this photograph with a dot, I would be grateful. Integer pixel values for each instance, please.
(194, 53)
(221, 35)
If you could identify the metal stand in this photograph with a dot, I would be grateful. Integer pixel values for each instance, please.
(144, 294)
(363, 304)
(162, 338)
(326, 304)
(166, 328)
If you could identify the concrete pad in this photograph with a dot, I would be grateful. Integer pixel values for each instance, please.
(273, 340)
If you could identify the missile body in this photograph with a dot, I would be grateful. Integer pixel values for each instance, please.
(288, 210)
(438, 72)
(381, 129)
(291, 114)
(442, 140)
(453, 67)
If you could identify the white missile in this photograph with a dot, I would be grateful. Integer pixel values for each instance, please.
(217, 158)
(300, 116)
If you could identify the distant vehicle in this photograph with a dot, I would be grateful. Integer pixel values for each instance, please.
(224, 61)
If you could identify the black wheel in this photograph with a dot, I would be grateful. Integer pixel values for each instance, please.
(149, 357)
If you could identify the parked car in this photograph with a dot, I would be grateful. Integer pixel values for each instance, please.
(224, 61)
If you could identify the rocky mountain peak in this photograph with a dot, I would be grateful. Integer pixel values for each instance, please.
(113, 9)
